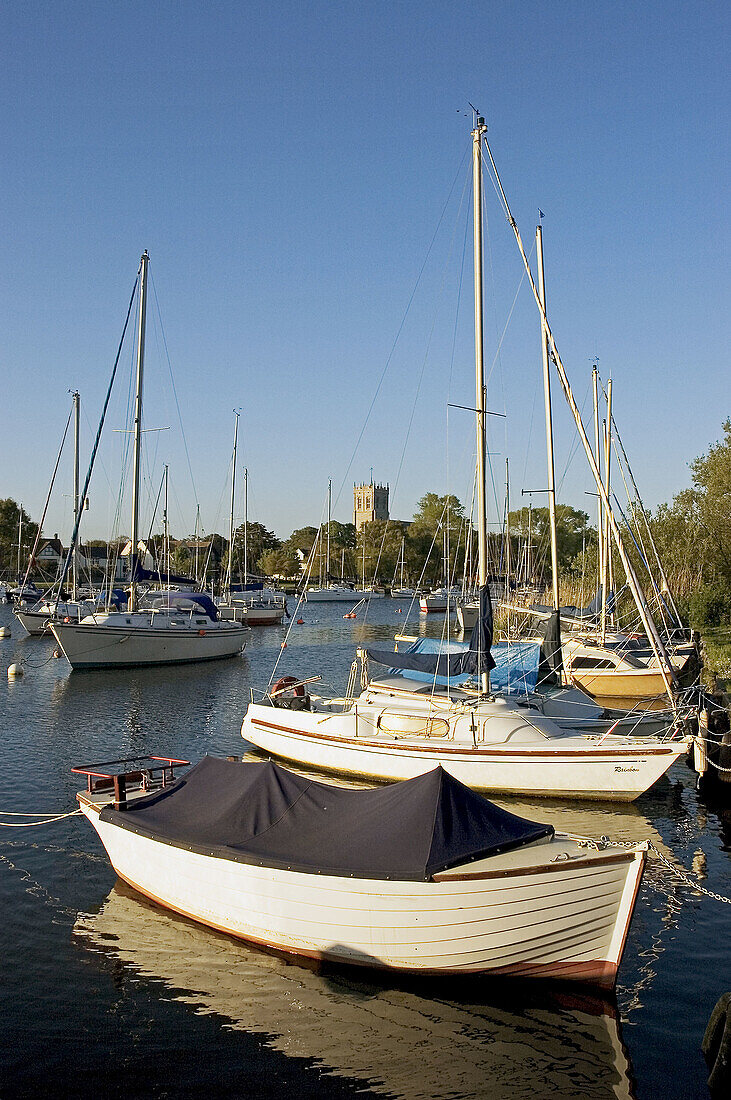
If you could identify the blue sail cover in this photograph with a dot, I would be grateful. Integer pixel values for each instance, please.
(471, 660)
(160, 576)
(516, 670)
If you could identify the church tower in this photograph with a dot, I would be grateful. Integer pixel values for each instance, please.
(369, 502)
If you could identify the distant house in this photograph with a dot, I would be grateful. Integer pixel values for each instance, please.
(50, 554)
(145, 557)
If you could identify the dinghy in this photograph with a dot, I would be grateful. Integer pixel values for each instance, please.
(425, 875)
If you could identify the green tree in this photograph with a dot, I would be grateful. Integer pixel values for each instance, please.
(439, 521)
(10, 528)
(571, 531)
(282, 562)
(258, 540)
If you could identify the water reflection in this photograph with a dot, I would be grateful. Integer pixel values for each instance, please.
(414, 1040)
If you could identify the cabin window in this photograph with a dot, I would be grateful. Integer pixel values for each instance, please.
(591, 662)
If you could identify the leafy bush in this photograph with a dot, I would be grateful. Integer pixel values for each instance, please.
(710, 605)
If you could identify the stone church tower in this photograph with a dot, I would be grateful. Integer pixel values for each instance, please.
(369, 502)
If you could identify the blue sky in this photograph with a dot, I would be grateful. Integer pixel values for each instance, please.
(287, 166)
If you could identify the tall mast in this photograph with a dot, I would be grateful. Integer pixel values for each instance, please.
(329, 507)
(600, 506)
(231, 512)
(137, 466)
(507, 528)
(477, 135)
(246, 525)
(76, 400)
(166, 529)
(197, 539)
(666, 667)
(20, 535)
(606, 564)
(549, 422)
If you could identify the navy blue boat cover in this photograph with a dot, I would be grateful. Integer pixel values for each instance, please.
(266, 815)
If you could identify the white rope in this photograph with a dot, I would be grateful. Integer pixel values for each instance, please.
(48, 819)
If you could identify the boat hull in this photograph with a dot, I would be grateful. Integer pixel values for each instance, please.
(86, 645)
(532, 916)
(34, 623)
(359, 747)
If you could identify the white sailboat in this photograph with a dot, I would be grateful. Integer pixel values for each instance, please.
(36, 619)
(175, 627)
(487, 742)
(333, 592)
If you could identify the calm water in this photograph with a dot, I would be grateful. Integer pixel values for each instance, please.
(102, 994)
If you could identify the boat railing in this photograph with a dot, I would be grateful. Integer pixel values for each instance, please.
(150, 773)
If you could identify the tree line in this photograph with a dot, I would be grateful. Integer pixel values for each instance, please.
(692, 536)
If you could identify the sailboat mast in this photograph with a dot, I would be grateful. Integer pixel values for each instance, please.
(607, 556)
(76, 401)
(477, 135)
(246, 525)
(549, 422)
(329, 508)
(166, 529)
(231, 511)
(137, 464)
(507, 528)
(666, 667)
(600, 506)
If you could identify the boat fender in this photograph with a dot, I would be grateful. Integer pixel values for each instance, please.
(716, 1047)
(15, 672)
(202, 633)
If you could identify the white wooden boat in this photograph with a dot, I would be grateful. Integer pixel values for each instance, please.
(424, 1040)
(425, 876)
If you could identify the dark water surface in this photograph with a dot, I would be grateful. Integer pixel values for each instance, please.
(103, 994)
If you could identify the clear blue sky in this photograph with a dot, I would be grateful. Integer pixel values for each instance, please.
(287, 164)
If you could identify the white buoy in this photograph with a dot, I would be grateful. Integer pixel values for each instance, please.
(5, 632)
(15, 672)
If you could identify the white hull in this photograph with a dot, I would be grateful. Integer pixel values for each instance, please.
(423, 1042)
(519, 913)
(384, 743)
(114, 644)
(336, 594)
(34, 623)
(37, 621)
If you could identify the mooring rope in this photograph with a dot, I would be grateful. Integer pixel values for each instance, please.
(45, 818)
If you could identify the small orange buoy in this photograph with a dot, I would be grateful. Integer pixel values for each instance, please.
(56, 653)
(284, 645)
(202, 633)
(300, 622)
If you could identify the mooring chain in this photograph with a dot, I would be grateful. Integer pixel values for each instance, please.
(605, 842)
